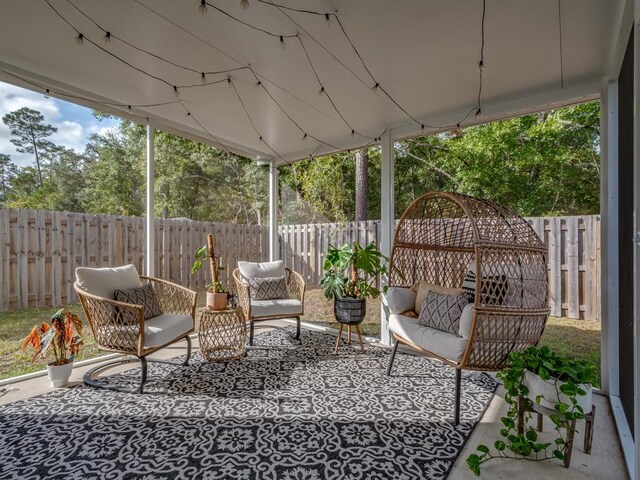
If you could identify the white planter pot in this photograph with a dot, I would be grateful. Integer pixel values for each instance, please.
(549, 389)
(59, 374)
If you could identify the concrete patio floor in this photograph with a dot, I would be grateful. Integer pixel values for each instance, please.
(605, 462)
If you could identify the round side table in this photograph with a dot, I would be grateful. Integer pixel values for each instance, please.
(222, 334)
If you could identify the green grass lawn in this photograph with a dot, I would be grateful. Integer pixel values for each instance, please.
(578, 339)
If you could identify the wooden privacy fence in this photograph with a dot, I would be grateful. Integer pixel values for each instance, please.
(574, 256)
(40, 250)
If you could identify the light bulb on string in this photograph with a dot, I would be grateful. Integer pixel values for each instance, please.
(321, 91)
(176, 93)
(203, 77)
(479, 113)
(481, 66)
(304, 137)
(47, 94)
(203, 7)
(244, 4)
(283, 44)
(107, 37)
(80, 39)
(327, 18)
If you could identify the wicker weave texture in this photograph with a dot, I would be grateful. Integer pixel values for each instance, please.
(222, 334)
(119, 327)
(442, 235)
(295, 288)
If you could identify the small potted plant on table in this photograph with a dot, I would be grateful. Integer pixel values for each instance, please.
(350, 274)
(539, 380)
(217, 295)
(63, 338)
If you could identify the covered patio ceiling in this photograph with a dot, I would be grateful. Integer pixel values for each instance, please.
(313, 90)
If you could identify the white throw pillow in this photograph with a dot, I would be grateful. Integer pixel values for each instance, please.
(104, 281)
(466, 320)
(400, 299)
(260, 270)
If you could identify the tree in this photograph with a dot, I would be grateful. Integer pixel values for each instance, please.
(362, 167)
(8, 171)
(31, 134)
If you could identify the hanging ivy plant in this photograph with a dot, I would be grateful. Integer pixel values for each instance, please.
(569, 378)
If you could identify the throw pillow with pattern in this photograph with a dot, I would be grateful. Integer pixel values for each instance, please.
(268, 288)
(442, 312)
(145, 296)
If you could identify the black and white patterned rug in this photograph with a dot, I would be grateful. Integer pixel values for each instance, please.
(288, 411)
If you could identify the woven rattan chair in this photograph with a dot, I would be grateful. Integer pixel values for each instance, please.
(261, 310)
(121, 327)
(439, 238)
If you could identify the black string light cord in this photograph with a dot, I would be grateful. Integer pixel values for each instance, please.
(80, 37)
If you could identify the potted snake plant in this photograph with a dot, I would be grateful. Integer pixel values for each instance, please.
(350, 274)
(217, 295)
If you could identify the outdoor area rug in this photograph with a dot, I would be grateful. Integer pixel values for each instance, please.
(288, 410)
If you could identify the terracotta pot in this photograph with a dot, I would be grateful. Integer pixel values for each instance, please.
(59, 374)
(216, 301)
(549, 391)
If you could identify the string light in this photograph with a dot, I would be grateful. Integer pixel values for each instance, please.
(244, 4)
(47, 94)
(304, 137)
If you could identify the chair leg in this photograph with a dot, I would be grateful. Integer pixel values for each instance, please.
(456, 412)
(349, 335)
(392, 358)
(250, 333)
(588, 431)
(297, 328)
(335, 350)
(143, 373)
(188, 339)
(90, 381)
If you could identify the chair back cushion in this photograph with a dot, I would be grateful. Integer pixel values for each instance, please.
(103, 282)
(144, 295)
(268, 288)
(260, 270)
(443, 312)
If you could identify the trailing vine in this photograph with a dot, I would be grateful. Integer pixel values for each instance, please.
(569, 378)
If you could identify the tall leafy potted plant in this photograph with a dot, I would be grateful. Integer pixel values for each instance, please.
(350, 274)
(62, 338)
(216, 293)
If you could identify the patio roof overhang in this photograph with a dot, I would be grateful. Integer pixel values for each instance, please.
(425, 55)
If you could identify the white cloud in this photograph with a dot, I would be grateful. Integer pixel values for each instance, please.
(71, 132)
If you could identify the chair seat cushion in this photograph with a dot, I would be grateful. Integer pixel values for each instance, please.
(281, 306)
(164, 328)
(441, 343)
(158, 331)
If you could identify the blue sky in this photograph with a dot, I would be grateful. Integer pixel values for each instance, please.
(74, 123)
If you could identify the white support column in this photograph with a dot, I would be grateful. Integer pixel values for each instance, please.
(151, 166)
(636, 238)
(609, 236)
(274, 247)
(387, 224)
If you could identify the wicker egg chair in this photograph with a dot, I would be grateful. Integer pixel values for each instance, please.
(439, 238)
